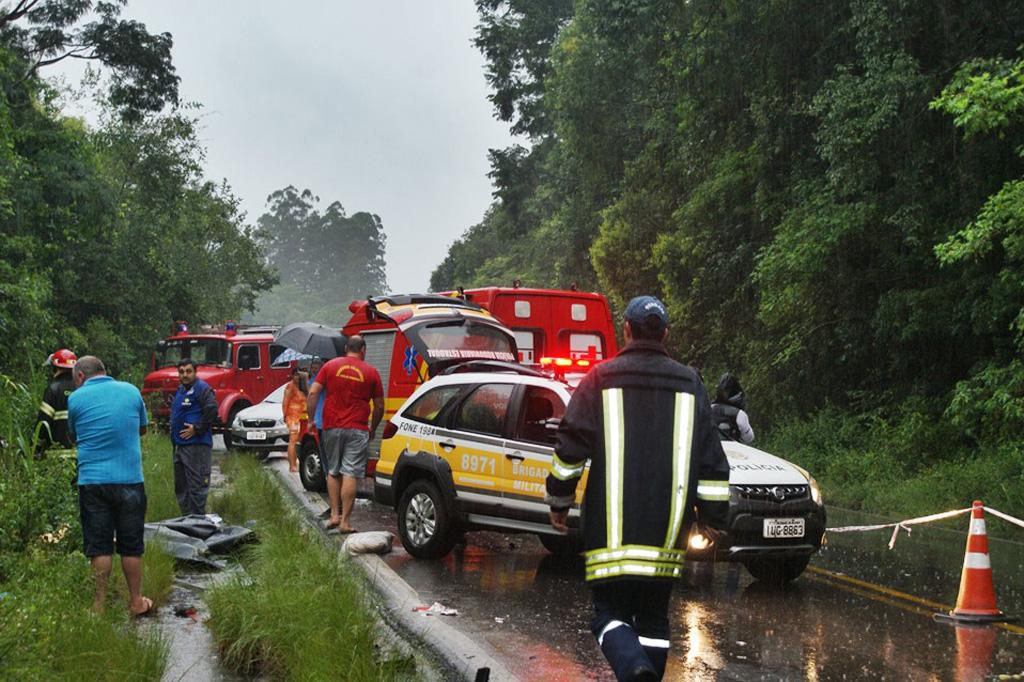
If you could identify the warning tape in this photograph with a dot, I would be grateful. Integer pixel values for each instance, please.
(905, 525)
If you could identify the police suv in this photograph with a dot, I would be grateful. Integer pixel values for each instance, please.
(472, 448)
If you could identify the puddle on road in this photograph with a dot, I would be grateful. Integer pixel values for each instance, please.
(192, 653)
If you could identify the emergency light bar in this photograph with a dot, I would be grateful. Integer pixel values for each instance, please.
(563, 364)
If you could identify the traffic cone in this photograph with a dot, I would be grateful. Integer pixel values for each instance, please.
(976, 602)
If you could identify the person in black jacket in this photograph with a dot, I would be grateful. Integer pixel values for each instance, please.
(656, 466)
(729, 410)
(52, 421)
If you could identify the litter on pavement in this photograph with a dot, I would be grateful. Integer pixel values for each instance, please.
(436, 609)
(370, 542)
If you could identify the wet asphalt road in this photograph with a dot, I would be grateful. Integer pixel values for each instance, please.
(844, 619)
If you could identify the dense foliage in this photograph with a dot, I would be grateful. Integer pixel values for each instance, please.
(107, 233)
(827, 195)
(324, 260)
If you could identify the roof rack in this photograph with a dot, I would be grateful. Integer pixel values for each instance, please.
(419, 299)
(258, 329)
(492, 366)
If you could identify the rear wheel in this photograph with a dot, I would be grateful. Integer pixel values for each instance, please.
(777, 571)
(561, 545)
(311, 471)
(424, 524)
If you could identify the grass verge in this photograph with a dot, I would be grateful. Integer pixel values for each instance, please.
(46, 630)
(300, 613)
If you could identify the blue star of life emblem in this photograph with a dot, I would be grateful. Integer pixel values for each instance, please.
(410, 360)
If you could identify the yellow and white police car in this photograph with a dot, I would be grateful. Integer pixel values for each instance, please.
(472, 450)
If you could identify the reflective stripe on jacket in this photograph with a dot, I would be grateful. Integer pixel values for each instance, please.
(656, 463)
(53, 413)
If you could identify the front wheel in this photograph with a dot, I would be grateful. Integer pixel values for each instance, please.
(229, 442)
(311, 470)
(424, 524)
(777, 571)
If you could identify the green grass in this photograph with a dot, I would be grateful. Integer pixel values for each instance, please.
(47, 632)
(301, 613)
(158, 471)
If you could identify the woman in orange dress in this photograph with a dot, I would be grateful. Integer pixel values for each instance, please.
(294, 408)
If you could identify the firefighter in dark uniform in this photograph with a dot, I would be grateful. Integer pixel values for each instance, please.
(52, 421)
(656, 467)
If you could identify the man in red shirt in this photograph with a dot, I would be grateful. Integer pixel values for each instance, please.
(351, 385)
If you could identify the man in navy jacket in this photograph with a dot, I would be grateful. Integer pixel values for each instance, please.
(193, 414)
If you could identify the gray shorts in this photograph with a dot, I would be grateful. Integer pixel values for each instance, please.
(345, 452)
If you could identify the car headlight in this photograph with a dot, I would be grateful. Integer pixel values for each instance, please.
(815, 491)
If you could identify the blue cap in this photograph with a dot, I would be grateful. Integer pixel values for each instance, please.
(642, 307)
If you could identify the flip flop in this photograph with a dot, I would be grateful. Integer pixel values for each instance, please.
(146, 611)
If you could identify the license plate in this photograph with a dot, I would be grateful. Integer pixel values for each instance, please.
(262, 435)
(783, 528)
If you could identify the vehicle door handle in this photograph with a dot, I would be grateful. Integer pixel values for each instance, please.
(515, 455)
(447, 445)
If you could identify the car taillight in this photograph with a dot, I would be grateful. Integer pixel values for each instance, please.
(389, 430)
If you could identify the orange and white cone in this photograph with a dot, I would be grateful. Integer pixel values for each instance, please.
(976, 602)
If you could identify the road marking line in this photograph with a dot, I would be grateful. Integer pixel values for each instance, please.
(893, 597)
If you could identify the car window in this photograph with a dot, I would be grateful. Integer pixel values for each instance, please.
(429, 405)
(484, 410)
(539, 405)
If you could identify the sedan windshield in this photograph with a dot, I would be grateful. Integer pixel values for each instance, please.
(202, 351)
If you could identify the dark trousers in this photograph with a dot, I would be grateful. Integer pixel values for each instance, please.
(192, 477)
(631, 624)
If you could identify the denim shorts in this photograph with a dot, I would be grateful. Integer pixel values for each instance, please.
(113, 512)
(345, 452)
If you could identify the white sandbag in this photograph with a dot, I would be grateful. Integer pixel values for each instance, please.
(370, 542)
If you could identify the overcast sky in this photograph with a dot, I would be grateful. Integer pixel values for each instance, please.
(379, 105)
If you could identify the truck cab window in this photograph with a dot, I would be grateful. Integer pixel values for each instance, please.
(249, 356)
(275, 353)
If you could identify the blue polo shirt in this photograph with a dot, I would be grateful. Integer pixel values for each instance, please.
(105, 415)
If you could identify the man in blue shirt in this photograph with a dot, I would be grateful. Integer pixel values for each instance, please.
(193, 414)
(106, 418)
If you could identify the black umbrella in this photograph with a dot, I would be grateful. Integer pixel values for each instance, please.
(312, 339)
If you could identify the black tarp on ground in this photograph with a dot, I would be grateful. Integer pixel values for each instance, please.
(195, 538)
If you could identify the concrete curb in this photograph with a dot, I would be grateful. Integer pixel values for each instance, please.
(464, 656)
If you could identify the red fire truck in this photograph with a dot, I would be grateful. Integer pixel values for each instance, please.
(238, 362)
(561, 325)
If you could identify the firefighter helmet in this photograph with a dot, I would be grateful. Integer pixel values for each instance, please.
(62, 358)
